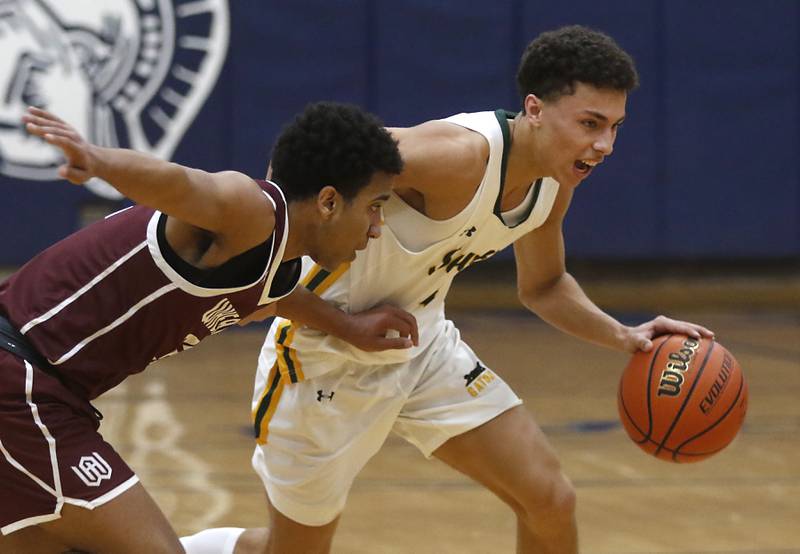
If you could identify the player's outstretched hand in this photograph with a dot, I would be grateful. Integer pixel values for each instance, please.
(640, 336)
(50, 128)
(384, 327)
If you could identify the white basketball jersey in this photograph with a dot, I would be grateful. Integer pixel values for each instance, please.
(389, 271)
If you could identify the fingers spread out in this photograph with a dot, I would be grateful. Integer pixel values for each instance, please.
(42, 121)
(76, 157)
(43, 114)
(702, 330)
(46, 131)
(686, 330)
(74, 175)
(661, 325)
(58, 139)
(691, 329)
(35, 129)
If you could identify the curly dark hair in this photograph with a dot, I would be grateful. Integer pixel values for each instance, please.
(556, 60)
(332, 144)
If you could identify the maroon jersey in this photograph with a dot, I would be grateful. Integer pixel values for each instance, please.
(108, 300)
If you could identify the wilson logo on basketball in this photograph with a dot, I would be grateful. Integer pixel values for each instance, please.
(678, 364)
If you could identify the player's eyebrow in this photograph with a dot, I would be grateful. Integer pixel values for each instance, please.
(602, 117)
(598, 115)
(383, 197)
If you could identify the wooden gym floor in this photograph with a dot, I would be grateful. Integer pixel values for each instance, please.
(184, 427)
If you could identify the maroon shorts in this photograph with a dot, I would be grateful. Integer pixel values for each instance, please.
(50, 450)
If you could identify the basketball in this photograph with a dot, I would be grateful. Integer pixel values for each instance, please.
(683, 401)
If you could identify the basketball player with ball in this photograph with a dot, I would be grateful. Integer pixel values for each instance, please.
(471, 185)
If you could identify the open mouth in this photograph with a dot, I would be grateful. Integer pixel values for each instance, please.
(585, 166)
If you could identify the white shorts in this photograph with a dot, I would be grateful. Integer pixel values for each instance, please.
(322, 431)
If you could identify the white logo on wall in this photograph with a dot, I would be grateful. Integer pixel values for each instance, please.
(128, 73)
(92, 470)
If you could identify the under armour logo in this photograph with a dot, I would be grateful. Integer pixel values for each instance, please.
(321, 395)
(92, 470)
(469, 231)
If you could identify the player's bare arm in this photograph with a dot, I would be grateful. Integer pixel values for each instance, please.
(229, 205)
(367, 330)
(546, 288)
(443, 167)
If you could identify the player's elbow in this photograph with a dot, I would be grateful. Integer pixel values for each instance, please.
(533, 295)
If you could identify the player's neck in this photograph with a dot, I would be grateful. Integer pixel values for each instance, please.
(523, 167)
(300, 231)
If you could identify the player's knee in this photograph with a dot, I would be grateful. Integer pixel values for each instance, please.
(564, 499)
(552, 500)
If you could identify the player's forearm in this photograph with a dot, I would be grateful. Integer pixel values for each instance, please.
(143, 178)
(564, 305)
(305, 307)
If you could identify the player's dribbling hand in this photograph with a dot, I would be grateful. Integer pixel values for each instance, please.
(62, 135)
(384, 327)
(640, 336)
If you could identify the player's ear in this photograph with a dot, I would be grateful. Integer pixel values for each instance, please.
(327, 200)
(533, 108)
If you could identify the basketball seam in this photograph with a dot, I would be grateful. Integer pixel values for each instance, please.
(645, 436)
(672, 451)
(686, 400)
(650, 386)
(630, 419)
(717, 422)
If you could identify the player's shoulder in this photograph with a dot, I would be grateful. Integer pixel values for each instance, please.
(441, 135)
(235, 180)
(248, 209)
(439, 151)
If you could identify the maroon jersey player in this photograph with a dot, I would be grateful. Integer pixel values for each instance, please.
(198, 253)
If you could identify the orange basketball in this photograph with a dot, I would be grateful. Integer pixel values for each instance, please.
(683, 401)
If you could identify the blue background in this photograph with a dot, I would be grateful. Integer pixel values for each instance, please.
(705, 166)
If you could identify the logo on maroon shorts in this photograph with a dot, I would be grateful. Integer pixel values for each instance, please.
(92, 470)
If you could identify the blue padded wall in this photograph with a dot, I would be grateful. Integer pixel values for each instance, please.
(704, 167)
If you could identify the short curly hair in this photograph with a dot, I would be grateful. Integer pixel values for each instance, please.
(332, 144)
(556, 60)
